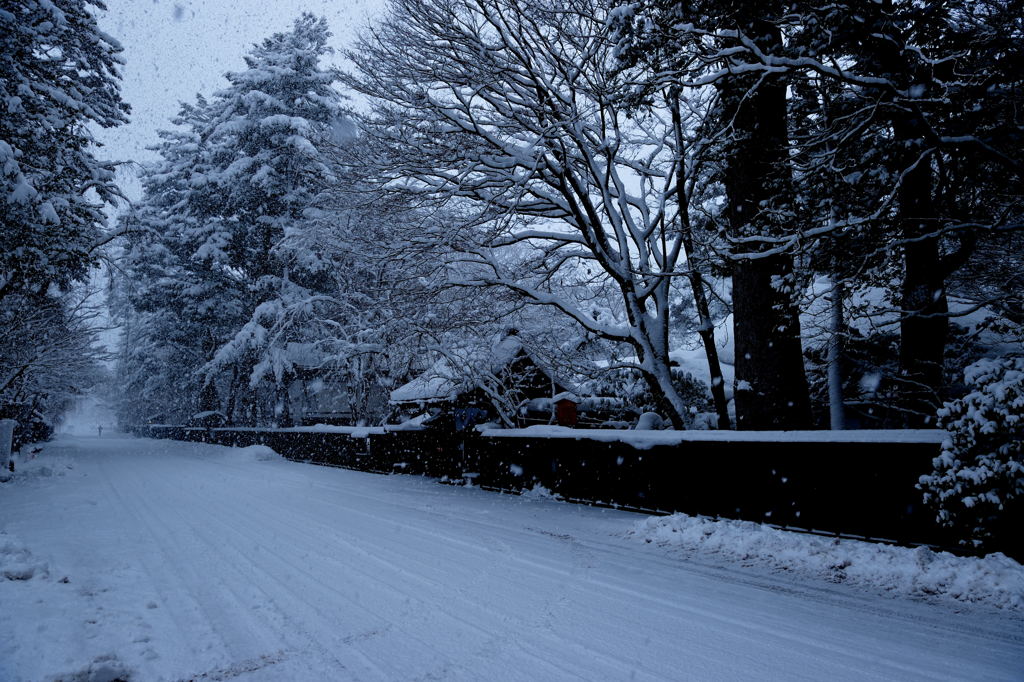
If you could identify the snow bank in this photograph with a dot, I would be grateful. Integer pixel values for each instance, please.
(32, 589)
(253, 453)
(17, 562)
(995, 580)
(32, 464)
(539, 492)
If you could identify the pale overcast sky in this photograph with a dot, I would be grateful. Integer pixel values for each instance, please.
(176, 48)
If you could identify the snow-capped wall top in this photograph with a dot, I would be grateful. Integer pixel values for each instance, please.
(646, 439)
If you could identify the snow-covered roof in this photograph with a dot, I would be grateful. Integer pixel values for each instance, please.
(431, 386)
(449, 376)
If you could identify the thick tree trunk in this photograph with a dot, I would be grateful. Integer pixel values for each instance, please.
(771, 384)
(924, 327)
(700, 298)
(656, 369)
(284, 395)
(233, 390)
(208, 399)
(836, 338)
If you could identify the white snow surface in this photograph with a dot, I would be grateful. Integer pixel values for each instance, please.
(994, 579)
(160, 560)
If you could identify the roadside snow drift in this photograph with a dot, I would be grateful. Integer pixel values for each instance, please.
(995, 579)
(252, 453)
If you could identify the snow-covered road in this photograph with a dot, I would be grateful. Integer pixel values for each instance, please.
(161, 560)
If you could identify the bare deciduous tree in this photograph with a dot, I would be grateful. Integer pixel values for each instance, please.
(513, 111)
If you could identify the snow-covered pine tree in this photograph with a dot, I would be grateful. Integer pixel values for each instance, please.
(59, 75)
(266, 162)
(174, 309)
(257, 262)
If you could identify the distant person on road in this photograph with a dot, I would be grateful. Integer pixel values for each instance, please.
(100, 429)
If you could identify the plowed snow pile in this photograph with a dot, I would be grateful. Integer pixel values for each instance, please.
(253, 453)
(996, 579)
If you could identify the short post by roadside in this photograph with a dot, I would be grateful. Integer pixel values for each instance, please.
(6, 441)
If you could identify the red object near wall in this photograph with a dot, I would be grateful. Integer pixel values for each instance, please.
(565, 412)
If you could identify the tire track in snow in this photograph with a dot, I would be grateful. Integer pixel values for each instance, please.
(176, 577)
(227, 621)
(374, 579)
(400, 558)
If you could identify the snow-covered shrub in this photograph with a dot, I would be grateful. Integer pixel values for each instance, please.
(981, 468)
(649, 421)
(636, 398)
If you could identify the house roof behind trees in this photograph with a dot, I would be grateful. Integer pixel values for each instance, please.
(462, 370)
